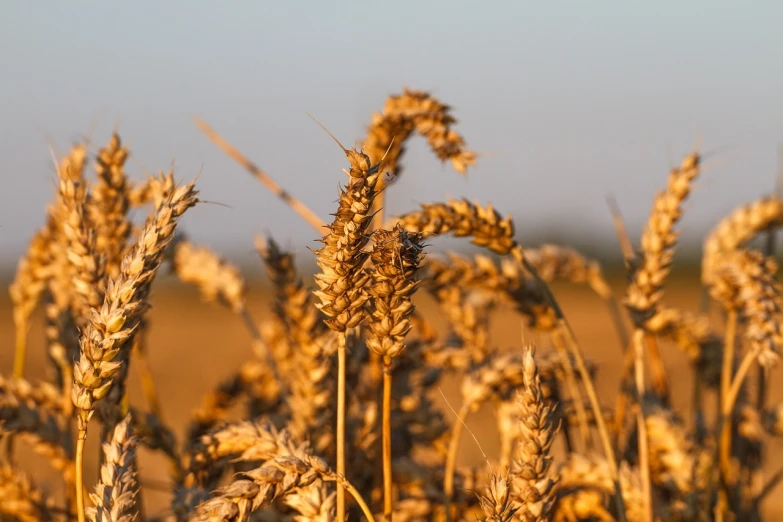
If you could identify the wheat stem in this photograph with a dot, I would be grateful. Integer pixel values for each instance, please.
(573, 390)
(80, 473)
(21, 350)
(644, 452)
(344, 483)
(387, 449)
(611, 458)
(658, 375)
(451, 458)
(341, 336)
(725, 384)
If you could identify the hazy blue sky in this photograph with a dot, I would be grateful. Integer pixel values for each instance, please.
(568, 100)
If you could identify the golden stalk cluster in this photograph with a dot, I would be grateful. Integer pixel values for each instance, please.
(332, 416)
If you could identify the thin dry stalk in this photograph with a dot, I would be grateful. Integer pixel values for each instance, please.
(725, 384)
(296, 205)
(573, 389)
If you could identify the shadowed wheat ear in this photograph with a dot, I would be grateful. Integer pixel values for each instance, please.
(284, 468)
(21, 499)
(109, 203)
(35, 414)
(585, 485)
(311, 378)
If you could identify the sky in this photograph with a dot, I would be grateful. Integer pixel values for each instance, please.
(565, 101)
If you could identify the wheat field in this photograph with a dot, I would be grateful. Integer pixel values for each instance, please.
(396, 382)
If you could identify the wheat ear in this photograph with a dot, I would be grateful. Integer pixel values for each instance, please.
(395, 259)
(342, 279)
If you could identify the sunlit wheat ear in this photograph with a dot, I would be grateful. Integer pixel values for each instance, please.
(497, 503)
(659, 239)
(285, 468)
(746, 282)
(27, 288)
(416, 111)
(532, 482)
(113, 324)
(341, 279)
(737, 229)
(116, 494)
(215, 277)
